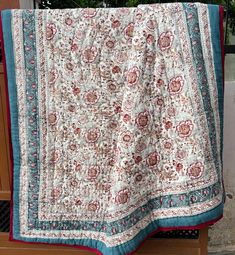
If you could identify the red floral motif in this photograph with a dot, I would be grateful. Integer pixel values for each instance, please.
(116, 69)
(161, 68)
(112, 86)
(32, 61)
(126, 118)
(142, 119)
(77, 131)
(127, 137)
(122, 196)
(89, 12)
(116, 23)
(78, 167)
(91, 97)
(72, 147)
(150, 57)
(181, 154)
(159, 83)
(179, 167)
(113, 125)
(74, 47)
(30, 98)
(168, 145)
(129, 30)
(93, 172)
(165, 40)
(168, 125)
(171, 111)
(68, 21)
(72, 108)
(73, 183)
(89, 54)
(52, 76)
(76, 91)
(195, 170)
(52, 118)
(139, 15)
(55, 193)
(69, 66)
(111, 162)
(50, 31)
(185, 128)
(153, 159)
(28, 48)
(117, 109)
(79, 35)
(78, 202)
(93, 206)
(150, 39)
(133, 76)
(92, 135)
(110, 44)
(151, 24)
(138, 177)
(54, 156)
(137, 159)
(31, 35)
(160, 101)
(176, 85)
(106, 187)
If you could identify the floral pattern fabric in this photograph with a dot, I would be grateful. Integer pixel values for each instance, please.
(118, 126)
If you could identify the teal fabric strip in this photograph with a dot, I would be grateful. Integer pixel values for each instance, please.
(32, 116)
(216, 36)
(10, 65)
(202, 78)
(128, 247)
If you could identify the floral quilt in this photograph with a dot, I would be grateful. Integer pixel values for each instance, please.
(116, 122)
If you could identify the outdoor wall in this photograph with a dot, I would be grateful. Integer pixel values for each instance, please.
(222, 234)
(28, 4)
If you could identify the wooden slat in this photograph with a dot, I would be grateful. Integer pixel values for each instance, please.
(4, 145)
(4, 106)
(9, 4)
(203, 240)
(5, 195)
(10, 248)
(152, 246)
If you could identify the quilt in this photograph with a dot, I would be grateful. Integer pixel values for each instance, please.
(116, 121)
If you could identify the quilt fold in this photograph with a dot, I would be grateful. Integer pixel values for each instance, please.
(116, 120)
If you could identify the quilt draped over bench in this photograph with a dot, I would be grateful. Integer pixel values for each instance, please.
(116, 122)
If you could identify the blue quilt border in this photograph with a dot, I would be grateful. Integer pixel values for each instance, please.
(12, 93)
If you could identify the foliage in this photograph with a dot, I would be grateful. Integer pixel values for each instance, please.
(61, 4)
(110, 3)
